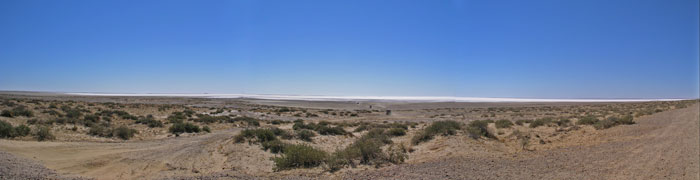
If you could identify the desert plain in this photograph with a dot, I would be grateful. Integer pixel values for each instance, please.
(64, 136)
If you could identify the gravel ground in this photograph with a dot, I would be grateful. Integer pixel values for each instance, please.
(13, 167)
(661, 146)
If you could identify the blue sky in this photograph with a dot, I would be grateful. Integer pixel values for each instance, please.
(528, 49)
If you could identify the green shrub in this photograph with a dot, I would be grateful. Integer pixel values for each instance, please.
(6, 130)
(17, 111)
(503, 123)
(22, 130)
(299, 156)
(541, 122)
(613, 121)
(249, 120)
(124, 132)
(588, 120)
(306, 135)
(203, 118)
(444, 128)
(322, 128)
(479, 128)
(149, 121)
(275, 146)
(260, 135)
(563, 122)
(522, 121)
(44, 133)
(179, 128)
(206, 129)
(396, 132)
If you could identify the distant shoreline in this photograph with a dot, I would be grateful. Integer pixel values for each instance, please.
(364, 98)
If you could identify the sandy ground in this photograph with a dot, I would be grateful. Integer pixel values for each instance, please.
(664, 145)
(660, 146)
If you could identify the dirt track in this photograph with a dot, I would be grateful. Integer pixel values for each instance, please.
(660, 146)
(146, 159)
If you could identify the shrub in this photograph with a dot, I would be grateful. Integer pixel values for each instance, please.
(613, 121)
(22, 130)
(396, 132)
(439, 127)
(261, 135)
(479, 128)
(6, 130)
(124, 132)
(179, 128)
(588, 120)
(17, 111)
(249, 120)
(306, 135)
(275, 146)
(563, 122)
(203, 118)
(149, 121)
(44, 133)
(322, 128)
(206, 129)
(503, 123)
(540, 122)
(522, 121)
(299, 156)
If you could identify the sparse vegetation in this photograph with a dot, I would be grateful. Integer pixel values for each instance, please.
(178, 128)
(17, 111)
(437, 128)
(299, 156)
(43, 133)
(503, 123)
(479, 128)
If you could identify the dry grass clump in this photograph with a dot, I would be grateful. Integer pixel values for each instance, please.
(437, 128)
(299, 156)
(479, 128)
(503, 123)
(614, 121)
(43, 133)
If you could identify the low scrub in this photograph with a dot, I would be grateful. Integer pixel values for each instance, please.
(43, 133)
(299, 156)
(522, 122)
(8, 131)
(275, 146)
(613, 121)
(503, 123)
(587, 120)
(479, 128)
(396, 132)
(149, 121)
(179, 128)
(255, 136)
(17, 111)
(322, 128)
(444, 128)
(306, 135)
(541, 122)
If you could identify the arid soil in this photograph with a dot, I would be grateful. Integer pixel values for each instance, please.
(660, 146)
(663, 143)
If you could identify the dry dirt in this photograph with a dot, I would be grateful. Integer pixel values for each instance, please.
(661, 146)
(664, 145)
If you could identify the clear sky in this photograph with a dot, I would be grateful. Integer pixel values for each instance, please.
(480, 48)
